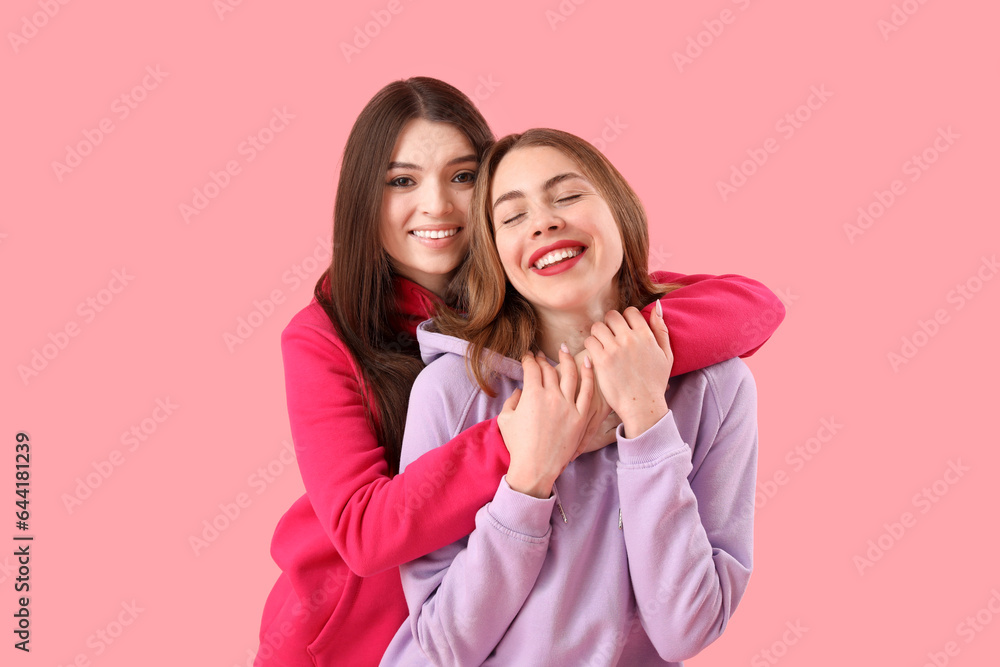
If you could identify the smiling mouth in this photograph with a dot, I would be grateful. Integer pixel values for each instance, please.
(435, 233)
(557, 256)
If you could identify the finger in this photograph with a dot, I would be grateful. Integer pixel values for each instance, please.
(549, 376)
(603, 333)
(595, 350)
(532, 373)
(586, 387)
(616, 322)
(638, 323)
(662, 336)
(569, 376)
(511, 403)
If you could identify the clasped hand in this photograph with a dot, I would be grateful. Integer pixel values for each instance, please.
(620, 377)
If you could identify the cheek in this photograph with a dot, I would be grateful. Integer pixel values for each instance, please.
(618, 254)
(462, 202)
(614, 252)
(508, 255)
(395, 212)
(462, 247)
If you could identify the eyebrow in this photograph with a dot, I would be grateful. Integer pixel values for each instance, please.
(416, 167)
(549, 184)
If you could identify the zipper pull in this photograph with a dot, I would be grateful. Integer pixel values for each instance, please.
(555, 492)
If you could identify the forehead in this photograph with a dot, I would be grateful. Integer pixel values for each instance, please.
(423, 141)
(525, 168)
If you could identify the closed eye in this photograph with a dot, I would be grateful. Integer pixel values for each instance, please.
(513, 218)
(568, 199)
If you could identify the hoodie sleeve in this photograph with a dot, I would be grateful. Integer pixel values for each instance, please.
(714, 318)
(462, 598)
(374, 521)
(688, 518)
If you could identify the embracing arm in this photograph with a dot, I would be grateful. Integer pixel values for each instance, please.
(377, 522)
(689, 537)
(714, 318)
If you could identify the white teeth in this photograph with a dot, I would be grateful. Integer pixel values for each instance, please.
(557, 256)
(435, 234)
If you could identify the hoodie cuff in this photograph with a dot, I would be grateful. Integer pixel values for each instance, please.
(520, 515)
(658, 442)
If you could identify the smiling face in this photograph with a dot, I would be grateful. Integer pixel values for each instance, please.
(426, 201)
(557, 239)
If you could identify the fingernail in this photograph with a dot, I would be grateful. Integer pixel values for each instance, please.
(659, 309)
(586, 362)
(565, 348)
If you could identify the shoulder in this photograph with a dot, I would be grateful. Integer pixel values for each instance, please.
(446, 394)
(446, 377)
(312, 316)
(310, 335)
(730, 383)
(718, 387)
(715, 409)
(444, 401)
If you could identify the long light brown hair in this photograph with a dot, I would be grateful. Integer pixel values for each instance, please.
(498, 318)
(357, 290)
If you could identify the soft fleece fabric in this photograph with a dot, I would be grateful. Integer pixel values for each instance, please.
(338, 600)
(557, 581)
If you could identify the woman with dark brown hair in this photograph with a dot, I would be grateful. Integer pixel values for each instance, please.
(400, 235)
(642, 552)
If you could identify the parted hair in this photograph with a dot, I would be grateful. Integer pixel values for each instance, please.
(357, 291)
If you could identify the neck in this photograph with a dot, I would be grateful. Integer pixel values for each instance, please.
(436, 284)
(432, 282)
(570, 326)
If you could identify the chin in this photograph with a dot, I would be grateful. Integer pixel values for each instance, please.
(441, 268)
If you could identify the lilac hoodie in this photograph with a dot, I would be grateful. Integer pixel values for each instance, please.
(639, 558)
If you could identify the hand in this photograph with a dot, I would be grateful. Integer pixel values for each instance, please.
(603, 422)
(600, 434)
(544, 423)
(632, 361)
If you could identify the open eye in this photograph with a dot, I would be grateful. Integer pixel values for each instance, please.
(465, 177)
(401, 182)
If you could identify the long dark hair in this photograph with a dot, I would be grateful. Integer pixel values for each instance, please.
(497, 317)
(357, 290)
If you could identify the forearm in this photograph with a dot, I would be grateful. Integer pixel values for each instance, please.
(714, 318)
(463, 598)
(686, 587)
(429, 505)
(376, 521)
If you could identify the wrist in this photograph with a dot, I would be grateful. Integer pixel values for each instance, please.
(529, 483)
(640, 419)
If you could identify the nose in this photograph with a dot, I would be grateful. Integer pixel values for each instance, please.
(546, 220)
(436, 201)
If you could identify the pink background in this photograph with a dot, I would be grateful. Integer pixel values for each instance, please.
(674, 131)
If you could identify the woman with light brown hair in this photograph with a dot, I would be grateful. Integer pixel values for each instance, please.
(636, 553)
(400, 235)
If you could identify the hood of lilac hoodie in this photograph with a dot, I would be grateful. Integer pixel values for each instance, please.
(640, 556)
